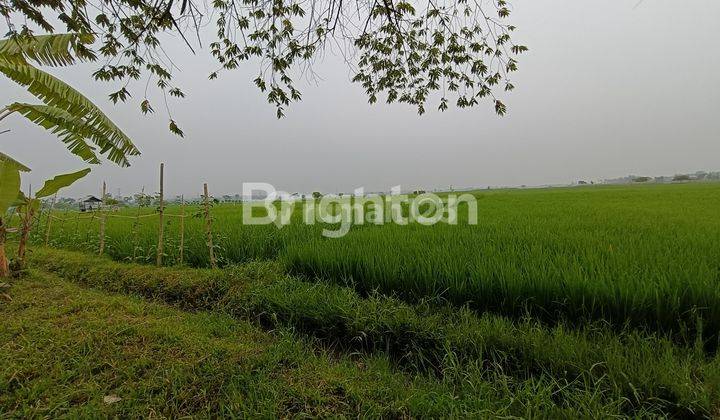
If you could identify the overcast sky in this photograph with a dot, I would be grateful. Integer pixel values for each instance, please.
(609, 88)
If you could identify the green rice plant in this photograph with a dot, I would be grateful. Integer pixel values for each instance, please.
(644, 255)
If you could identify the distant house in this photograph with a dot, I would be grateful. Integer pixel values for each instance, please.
(90, 203)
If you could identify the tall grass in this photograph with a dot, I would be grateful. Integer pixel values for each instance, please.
(647, 255)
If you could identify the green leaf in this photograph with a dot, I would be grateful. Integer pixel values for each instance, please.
(175, 129)
(9, 182)
(146, 108)
(50, 50)
(22, 202)
(61, 181)
(75, 132)
(20, 166)
(57, 94)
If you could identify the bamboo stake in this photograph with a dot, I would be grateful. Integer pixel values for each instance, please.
(182, 228)
(136, 225)
(161, 227)
(62, 223)
(4, 263)
(26, 223)
(102, 221)
(88, 227)
(77, 226)
(49, 222)
(208, 228)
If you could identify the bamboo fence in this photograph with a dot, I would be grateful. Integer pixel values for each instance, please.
(103, 214)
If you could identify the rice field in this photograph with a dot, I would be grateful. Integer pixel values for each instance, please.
(647, 256)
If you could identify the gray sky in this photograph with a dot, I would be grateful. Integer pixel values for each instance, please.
(607, 89)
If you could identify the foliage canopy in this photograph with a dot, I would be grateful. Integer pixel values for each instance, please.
(418, 53)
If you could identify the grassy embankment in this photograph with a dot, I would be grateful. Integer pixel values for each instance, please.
(629, 372)
(71, 351)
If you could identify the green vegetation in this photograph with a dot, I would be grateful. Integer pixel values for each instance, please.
(9, 186)
(65, 112)
(647, 255)
(640, 372)
(70, 351)
(78, 122)
(561, 302)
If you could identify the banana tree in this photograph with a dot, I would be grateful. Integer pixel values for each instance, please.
(85, 130)
(26, 207)
(9, 186)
